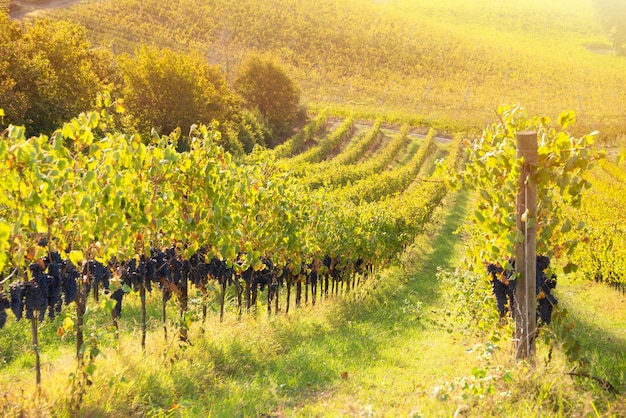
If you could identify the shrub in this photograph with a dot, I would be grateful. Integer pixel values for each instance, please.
(265, 86)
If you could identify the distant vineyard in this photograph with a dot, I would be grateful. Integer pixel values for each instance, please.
(601, 252)
(444, 64)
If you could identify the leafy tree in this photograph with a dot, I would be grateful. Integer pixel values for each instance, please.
(166, 90)
(13, 102)
(46, 73)
(612, 14)
(265, 86)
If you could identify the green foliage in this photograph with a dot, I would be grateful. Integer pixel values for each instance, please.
(229, 138)
(296, 143)
(166, 90)
(253, 130)
(601, 256)
(46, 73)
(265, 86)
(493, 170)
(470, 305)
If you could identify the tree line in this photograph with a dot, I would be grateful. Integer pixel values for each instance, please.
(49, 73)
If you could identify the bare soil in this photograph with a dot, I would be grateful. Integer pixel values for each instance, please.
(25, 9)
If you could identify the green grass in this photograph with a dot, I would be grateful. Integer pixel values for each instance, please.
(599, 314)
(381, 350)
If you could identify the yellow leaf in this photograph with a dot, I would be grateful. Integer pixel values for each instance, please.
(76, 257)
(68, 324)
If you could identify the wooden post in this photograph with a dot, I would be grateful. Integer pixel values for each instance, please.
(526, 252)
(142, 297)
(33, 324)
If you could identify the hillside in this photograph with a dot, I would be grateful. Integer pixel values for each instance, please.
(446, 63)
(342, 271)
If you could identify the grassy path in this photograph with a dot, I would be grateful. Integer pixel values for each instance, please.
(393, 356)
(599, 314)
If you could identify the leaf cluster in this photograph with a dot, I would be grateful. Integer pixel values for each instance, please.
(493, 170)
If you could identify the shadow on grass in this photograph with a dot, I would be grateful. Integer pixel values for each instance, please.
(604, 351)
(317, 354)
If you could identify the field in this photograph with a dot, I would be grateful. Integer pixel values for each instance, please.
(446, 64)
(339, 273)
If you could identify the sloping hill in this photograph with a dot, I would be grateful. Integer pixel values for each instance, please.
(452, 61)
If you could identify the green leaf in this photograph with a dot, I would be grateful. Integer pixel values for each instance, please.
(5, 232)
(109, 305)
(90, 369)
(89, 176)
(68, 324)
(621, 157)
(570, 268)
(567, 226)
(567, 118)
(94, 352)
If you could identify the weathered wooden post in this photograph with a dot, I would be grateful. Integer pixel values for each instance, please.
(526, 251)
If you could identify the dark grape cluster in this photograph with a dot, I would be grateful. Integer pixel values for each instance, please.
(267, 276)
(134, 273)
(219, 270)
(50, 278)
(54, 289)
(544, 286)
(54, 280)
(32, 295)
(5, 304)
(117, 295)
(198, 269)
(503, 286)
(69, 281)
(37, 291)
(96, 274)
(16, 292)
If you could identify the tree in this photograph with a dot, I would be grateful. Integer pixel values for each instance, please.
(166, 90)
(46, 73)
(266, 87)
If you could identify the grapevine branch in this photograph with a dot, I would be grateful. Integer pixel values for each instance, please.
(606, 385)
(6, 279)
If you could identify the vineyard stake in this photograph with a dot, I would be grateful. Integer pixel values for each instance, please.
(142, 296)
(33, 324)
(526, 251)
